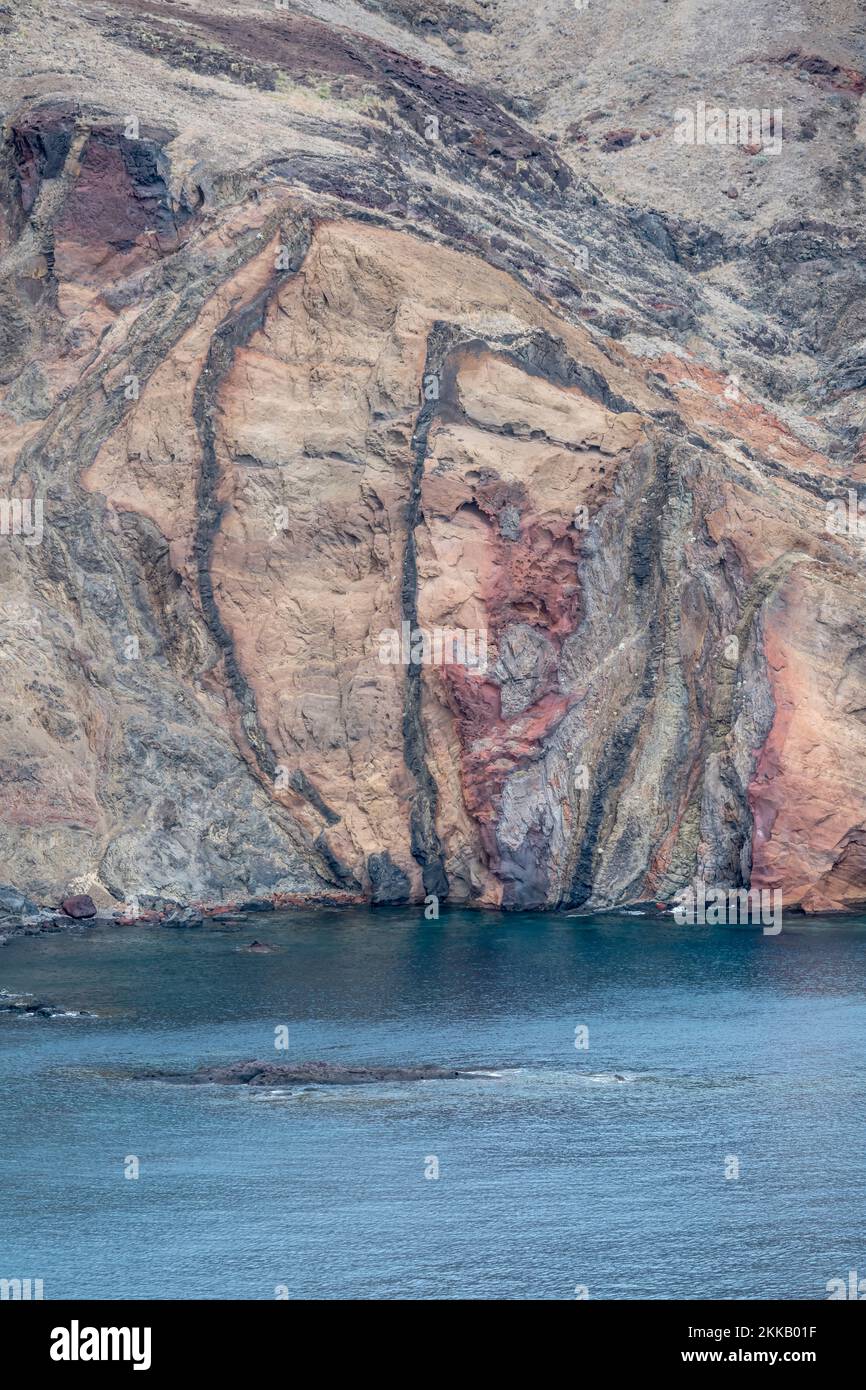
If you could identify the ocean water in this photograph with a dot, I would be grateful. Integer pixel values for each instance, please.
(553, 1176)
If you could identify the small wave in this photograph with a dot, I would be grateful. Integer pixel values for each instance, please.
(357, 1096)
(55, 1013)
(574, 1077)
(278, 1093)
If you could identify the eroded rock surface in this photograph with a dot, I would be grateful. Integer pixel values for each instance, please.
(320, 326)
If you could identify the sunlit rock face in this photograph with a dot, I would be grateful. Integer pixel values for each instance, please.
(398, 499)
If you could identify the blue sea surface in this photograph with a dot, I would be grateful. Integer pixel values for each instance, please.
(737, 1050)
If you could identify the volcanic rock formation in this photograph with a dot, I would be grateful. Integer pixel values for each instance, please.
(322, 322)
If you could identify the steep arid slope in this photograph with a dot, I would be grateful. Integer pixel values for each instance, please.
(325, 326)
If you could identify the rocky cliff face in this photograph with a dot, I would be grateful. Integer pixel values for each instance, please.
(326, 327)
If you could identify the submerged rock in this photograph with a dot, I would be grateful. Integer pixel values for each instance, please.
(303, 1073)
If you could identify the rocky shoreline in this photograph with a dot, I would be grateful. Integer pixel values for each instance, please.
(20, 916)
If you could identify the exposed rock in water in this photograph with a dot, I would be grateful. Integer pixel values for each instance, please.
(183, 917)
(429, 340)
(302, 1073)
(26, 1006)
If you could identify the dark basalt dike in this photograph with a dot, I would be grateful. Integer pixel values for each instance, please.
(310, 330)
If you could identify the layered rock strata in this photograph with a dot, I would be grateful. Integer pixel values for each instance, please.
(313, 335)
